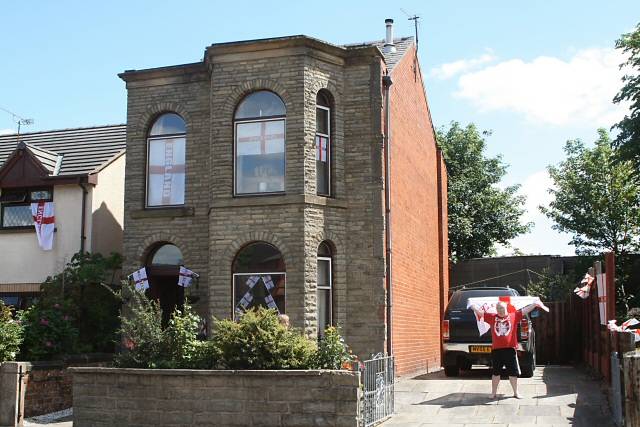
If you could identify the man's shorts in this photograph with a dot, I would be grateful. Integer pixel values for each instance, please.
(507, 358)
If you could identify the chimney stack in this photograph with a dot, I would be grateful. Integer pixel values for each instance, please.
(389, 47)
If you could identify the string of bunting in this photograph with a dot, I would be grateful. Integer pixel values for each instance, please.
(247, 298)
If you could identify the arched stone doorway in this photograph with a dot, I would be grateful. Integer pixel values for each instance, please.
(163, 266)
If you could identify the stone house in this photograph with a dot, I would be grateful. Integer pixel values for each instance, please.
(81, 172)
(264, 167)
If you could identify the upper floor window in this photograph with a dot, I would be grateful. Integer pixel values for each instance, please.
(166, 161)
(15, 205)
(323, 145)
(260, 144)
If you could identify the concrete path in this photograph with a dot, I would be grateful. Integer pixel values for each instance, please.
(555, 396)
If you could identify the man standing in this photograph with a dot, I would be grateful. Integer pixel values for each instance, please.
(504, 342)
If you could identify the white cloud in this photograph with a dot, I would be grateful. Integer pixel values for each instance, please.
(7, 131)
(542, 239)
(450, 69)
(550, 90)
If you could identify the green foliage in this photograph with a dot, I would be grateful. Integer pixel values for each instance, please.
(332, 352)
(552, 287)
(480, 213)
(628, 139)
(48, 332)
(259, 341)
(147, 345)
(86, 286)
(597, 200)
(11, 334)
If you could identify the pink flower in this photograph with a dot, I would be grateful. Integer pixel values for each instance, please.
(56, 305)
(49, 344)
(66, 317)
(44, 322)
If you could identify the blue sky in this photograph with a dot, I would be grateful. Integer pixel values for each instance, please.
(536, 73)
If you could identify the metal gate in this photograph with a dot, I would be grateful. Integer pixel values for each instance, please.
(378, 378)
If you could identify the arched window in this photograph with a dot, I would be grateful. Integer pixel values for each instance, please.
(259, 276)
(324, 288)
(166, 161)
(167, 254)
(259, 124)
(323, 144)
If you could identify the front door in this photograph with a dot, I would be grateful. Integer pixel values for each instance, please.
(163, 281)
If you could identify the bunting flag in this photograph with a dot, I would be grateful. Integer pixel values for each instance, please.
(140, 279)
(625, 327)
(247, 298)
(585, 286)
(601, 281)
(488, 305)
(44, 221)
(186, 276)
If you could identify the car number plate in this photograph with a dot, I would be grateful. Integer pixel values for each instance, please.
(479, 349)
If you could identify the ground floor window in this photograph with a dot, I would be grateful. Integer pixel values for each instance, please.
(15, 205)
(324, 288)
(259, 278)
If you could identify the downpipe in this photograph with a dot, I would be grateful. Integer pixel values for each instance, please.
(386, 83)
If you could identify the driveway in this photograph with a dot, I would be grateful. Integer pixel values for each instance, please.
(556, 395)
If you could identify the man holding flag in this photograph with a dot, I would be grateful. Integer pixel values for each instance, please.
(502, 318)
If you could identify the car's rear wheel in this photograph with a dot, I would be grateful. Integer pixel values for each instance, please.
(528, 365)
(452, 370)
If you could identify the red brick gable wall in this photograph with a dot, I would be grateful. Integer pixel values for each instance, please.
(417, 224)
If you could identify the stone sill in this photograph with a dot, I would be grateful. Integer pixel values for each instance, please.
(293, 199)
(163, 212)
(30, 229)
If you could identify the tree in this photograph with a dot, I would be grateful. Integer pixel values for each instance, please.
(597, 200)
(628, 140)
(480, 213)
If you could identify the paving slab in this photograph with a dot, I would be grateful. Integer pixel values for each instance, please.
(556, 395)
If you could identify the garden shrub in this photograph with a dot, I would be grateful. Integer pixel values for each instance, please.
(48, 332)
(332, 352)
(11, 334)
(259, 341)
(87, 285)
(147, 345)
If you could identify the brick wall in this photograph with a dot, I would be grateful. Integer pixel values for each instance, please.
(144, 397)
(416, 220)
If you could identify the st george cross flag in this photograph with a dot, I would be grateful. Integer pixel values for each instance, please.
(140, 280)
(488, 305)
(44, 221)
(321, 148)
(625, 327)
(585, 286)
(185, 277)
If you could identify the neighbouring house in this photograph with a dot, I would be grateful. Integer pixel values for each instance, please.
(77, 172)
(299, 175)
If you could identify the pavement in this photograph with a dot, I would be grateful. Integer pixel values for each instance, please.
(555, 396)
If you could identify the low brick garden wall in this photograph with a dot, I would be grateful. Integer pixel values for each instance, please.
(163, 397)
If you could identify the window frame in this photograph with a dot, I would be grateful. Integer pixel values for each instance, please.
(27, 202)
(172, 136)
(235, 192)
(329, 150)
(233, 289)
(325, 288)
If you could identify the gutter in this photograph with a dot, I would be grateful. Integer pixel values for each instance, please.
(386, 83)
(83, 236)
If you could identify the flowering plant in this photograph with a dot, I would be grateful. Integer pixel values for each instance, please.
(48, 331)
(333, 352)
(10, 334)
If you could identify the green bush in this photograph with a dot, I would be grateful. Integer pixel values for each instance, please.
(147, 345)
(259, 341)
(48, 332)
(86, 286)
(11, 334)
(332, 352)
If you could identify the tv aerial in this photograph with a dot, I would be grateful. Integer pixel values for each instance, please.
(19, 120)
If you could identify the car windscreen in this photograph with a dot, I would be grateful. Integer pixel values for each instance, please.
(459, 299)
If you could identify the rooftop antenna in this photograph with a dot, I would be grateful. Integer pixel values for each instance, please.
(18, 119)
(415, 19)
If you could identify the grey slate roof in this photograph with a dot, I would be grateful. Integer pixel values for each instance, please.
(402, 45)
(79, 151)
